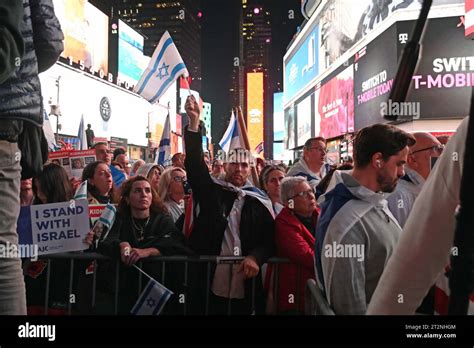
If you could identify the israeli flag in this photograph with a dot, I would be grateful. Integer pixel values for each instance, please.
(118, 177)
(152, 300)
(108, 215)
(82, 135)
(231, 139)
(164, 151)
(81, 191)
(165, 66)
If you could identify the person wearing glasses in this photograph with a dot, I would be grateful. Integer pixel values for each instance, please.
(295, 228)
(417, 170)
(312, 162)
(171, 190)
(356, 232)
(102, 152)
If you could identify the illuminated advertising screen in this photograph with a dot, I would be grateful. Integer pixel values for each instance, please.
(278, 117)
(375, 67)
(334, 101)
(444, 77)
(303, 66)
(303, 120)
(131, 61)
(289, 140)
(255, 109)
(86, 36)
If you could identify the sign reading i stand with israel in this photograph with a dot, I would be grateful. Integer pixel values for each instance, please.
(165, 66)
(55, 228)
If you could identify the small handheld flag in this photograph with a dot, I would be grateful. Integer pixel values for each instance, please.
(82, 135)
(164, 150)
(231, 139)
(153, 299)
(165, 66)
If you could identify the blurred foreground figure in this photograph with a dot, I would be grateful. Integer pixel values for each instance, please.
(34, 27)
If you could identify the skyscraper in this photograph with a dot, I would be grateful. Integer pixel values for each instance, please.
(182, 19)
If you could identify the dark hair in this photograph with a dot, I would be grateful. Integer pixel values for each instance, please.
(176, 156)
(54, 183)
(265, 173)
(157, 205)
(383, 138)
(88, 173)
(309, 142)
(118, 151)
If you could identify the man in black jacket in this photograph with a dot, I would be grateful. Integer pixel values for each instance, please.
(34, 23)
(232, 221)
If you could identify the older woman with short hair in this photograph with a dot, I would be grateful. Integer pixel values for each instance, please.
(294, 233)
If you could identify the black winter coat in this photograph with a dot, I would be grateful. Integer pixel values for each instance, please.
(215, 202)
(20, 94)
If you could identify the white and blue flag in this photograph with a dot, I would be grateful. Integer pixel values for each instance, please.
(82, 135)
(152, 300)
(164, 150)
(81, 191)
(231, 139)
(165, 66)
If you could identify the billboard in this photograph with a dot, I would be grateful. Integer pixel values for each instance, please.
(131, 62)
(334, 101)
(86, 35)
(303, 66)
(278, 117)
(444, 77)
(255, 109)
(289, 140)
(375, 67)
(303, 120)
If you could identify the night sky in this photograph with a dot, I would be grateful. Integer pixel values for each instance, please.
(220, 40)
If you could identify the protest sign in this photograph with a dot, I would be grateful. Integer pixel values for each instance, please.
(73, 161)
(54, 228)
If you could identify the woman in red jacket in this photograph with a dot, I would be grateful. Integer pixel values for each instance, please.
(295, 230)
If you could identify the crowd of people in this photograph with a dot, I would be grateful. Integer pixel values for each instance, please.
(342, 226)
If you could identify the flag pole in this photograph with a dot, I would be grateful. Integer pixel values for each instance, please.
(243, 128)
(142, 271)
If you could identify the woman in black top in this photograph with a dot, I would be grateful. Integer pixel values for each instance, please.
(142, 229)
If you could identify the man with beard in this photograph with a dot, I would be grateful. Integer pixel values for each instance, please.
(230, 219)
(356, 232)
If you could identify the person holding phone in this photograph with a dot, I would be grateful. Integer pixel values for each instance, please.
(174, 190)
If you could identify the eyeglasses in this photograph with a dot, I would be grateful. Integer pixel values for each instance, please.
(306, 194)
(438, 149)
(179, 178)
(322, 149)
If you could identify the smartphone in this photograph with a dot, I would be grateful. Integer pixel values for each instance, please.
(187, 188)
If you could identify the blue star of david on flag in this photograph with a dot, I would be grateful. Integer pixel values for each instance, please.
(162, 74)
(165, 66)
(152, 300)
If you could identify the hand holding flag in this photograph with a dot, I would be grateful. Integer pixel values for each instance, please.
(165, 66)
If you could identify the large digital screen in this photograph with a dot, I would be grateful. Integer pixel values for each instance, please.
(334, 100)
(289, 140)
(255, 109)
(444, 77)
(375, 67)
(86, 36)
(131, 61)
(278, 117)
(303, 66)
(303, 120)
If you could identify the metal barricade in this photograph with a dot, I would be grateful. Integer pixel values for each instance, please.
(89, 298)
